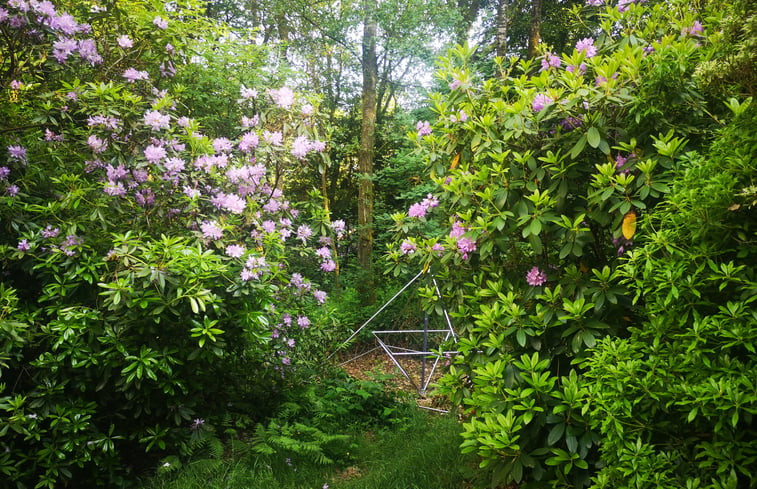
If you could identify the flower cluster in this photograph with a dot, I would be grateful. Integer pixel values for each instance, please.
(419, 209)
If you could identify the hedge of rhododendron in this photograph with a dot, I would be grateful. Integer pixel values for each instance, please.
(569, 196)
(145, 280)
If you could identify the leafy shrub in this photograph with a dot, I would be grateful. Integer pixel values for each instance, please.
(675, 401)
(543, 174)
(145, 281)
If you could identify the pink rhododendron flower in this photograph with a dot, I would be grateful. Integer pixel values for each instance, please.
(235, 251)
(133, 75)
(156, 120)
(160, 22)
(586, 46)
(125, 41)
(536, 277)
(423, 128)
(211, 230)
(407, 247)
(540, 101)
(154, 153)
(273, 138)
(550, 61)
(283, 97)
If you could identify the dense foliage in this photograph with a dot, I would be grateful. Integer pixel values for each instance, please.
(145, 280)
(595, 354)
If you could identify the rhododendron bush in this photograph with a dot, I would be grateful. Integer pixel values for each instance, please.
(145, 283)
(559, 182)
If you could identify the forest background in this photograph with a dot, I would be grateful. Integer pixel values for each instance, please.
(200, 201)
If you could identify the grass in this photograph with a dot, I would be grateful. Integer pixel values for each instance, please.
(419, 452)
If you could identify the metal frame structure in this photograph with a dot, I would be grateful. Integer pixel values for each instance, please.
(394, 352)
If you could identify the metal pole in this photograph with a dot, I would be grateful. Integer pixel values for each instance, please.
(425, 348)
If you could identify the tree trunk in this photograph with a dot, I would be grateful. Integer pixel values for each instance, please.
(366, 153)
(500, 40)
(535, 38)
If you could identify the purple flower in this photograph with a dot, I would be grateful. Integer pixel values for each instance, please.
(156, 120)
(304, 232)
(536, 277)
(407, 247)
(154, 154)
(88, 52)
(570, 123)
(222, 144)
(4, 172)
(12, 190)
(283, 97)
(417, 210)
(62, 49)
(550, 61)
(114, 189)
(423, 128)
(623, 4)
(124, 41)
(211, 230)
(273, 138)
(235, 251)
(145, 197)
(24, 245)
(50, 232)
(466, 246)
(286, 361)
(338, 226)
(696, 29)
(17, 152)
(457, 230)
(250, 121)
(197, 423)
(455, 84)
(132, 75)
(300, 147)
(572, 68)
(320, 296)
(595, 3)
(540, 101)
(586, 46)
(324, 253)
(328, 266)
(160, 22)
(249, 141)
(97, 144)
(303, 322)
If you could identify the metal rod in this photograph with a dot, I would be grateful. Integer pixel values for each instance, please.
(361, 355)
(443, 411)
(377, 313)
(395, 331)
(407, 376)
(444, 310)
(425, 348)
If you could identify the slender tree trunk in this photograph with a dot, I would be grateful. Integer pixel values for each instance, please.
(535, 38)
(366, 152)
(500, 40)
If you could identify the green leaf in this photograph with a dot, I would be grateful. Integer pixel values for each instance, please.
(593, 137)
(555, 433)
(578, 147)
